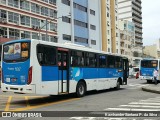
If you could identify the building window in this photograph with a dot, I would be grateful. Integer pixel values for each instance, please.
(53, 13)
(93, 42)
(24, 5)
(66, 2)
(53, 39)
(53, 26)
(13, 33)
(35, 23)
(93, 27)
(3, 14)
(45, 1)
(81, 40)
(79, 23)
(35, 35)
(117, 50)
(25, 34)
(109, 50)
(13, 17)
(3, 1)
(25, 20)
(13, 3)
(35, 8)
(43, 37)
(66, 19)
(80, 7)
(3, 32)
(44, 11)
(108, 41)
(53, 2)
(107, 14)
(116, 34)
(92, 12)
(43, 25)
(66, 37)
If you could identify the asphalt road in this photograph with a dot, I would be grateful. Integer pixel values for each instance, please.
(128, 98)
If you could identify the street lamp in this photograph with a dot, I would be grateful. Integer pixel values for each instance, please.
(48, 23)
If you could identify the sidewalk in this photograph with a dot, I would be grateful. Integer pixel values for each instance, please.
(152, 88)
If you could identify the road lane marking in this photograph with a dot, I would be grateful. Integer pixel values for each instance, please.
(43, 105)
(8, 103)
(155, 101)
(142, 103)
(27, 102)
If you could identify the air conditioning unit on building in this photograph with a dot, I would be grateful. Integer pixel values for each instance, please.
(38, 27)
(33, 26)
(4, 21)
(54, 29)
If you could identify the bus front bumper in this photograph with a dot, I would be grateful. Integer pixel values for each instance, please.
(18, 88)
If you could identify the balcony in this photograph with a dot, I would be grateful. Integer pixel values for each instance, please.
(138, 41)
(137, 3)
(138, 36)
(138, 31)
(136, 14)
(136, 9)
(137, 19)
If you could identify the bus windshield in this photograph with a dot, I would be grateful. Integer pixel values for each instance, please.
(149, 63)
(16, 52)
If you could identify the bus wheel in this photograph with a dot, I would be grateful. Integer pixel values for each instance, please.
(81, 89)
(118, 85)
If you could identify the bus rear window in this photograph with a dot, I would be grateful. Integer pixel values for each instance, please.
(16, 52)
(149, 63)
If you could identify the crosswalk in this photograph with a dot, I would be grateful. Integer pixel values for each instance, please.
(151, 104)
(147, 105)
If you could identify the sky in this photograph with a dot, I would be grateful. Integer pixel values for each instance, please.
(151, 21)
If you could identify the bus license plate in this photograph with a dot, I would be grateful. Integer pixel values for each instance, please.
(148, 77)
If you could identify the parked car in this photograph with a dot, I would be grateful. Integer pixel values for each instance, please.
(134, 72)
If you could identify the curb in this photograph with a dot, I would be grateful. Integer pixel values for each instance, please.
(149, 90)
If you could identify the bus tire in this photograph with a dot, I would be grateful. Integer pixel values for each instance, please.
(80, 89)
(118, 85)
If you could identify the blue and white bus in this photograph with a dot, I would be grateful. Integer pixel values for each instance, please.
(40, 67)
(147, 67)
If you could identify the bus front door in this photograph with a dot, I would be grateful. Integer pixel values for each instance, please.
(125, 71)
(63, 66)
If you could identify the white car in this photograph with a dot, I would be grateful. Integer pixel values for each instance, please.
(133, 71)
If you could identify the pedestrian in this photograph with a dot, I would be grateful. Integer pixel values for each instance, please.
(155, 75)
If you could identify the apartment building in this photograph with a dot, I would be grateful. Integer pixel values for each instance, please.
(21, 19)
(131, 10)
(127, 38)
(79, 22)
(110, 31)
(92, 23)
